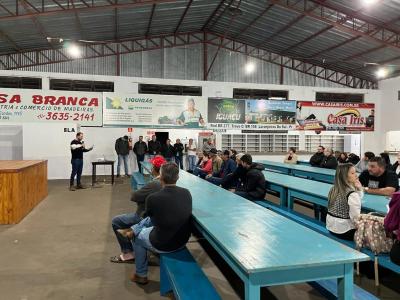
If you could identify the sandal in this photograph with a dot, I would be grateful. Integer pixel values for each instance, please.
(118, 259)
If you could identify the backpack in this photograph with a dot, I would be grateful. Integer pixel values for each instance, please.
(371, 234)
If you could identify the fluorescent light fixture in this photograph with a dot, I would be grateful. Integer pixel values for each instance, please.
(249, 67)
(74, 51)
(369, 2)
(382, 73)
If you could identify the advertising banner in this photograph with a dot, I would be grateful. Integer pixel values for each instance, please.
(20, 106)
(227, 113)
(315, 115)
(159, 111)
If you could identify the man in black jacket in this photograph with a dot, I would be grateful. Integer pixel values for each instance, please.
(127, 220)
(253, 187)
(154, 147)
(329, 161)
(169, 213)
(122, 149)
(317, 158)
(168, 151)
(178, 150)
(140, 149)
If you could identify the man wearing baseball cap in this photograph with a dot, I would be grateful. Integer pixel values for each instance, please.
(125, 221)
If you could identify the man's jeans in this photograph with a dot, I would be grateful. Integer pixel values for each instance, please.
(215, 180)
(123, 158)
(77, 166)
(199, 172)
(192, 162)
(123, 222)
(139, 158)
(179, 161)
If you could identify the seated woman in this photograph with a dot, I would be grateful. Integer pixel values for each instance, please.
(344, 202)
(291, 157)
(392, 226)
(205, 167)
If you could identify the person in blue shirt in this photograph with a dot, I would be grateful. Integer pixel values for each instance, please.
(227, 168)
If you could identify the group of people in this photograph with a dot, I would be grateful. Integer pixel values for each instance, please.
(377, 176)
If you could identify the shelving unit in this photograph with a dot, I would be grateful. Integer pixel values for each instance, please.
(336, 142)
(278, 142)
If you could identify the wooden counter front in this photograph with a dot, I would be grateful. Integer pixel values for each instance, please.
(23, 184)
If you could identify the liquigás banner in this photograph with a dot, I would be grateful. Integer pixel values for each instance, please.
(315, 115)
(160, 111)
(251, 114)
(22, 106)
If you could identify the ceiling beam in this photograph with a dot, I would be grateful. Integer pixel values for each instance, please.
(352, 25)
(214, 13)
(44, 9)
(183, 17)
(153, 8)
(253, 21)
(181, 39)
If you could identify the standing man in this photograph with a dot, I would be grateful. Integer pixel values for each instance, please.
(77, 149)
(122, 149)
(154, 147)
(167, 151)
(191, 153)
(178, 149)
(140, 149)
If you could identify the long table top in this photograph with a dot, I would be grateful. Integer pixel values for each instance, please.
(14, 166)
(298, 167)
(320, 189)
(258, 239)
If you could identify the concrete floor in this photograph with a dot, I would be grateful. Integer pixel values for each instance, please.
(61, 251)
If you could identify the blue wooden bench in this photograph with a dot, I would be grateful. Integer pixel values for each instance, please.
(180, 273)
(381, 259)
(137, 180)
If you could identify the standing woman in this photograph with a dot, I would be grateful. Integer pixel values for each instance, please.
(291, 157)
(344, 202)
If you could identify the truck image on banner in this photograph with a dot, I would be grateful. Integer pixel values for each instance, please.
(318, 116)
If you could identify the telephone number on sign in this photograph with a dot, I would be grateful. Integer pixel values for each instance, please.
(68, 116)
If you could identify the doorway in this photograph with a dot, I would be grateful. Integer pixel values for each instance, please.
(162, 137)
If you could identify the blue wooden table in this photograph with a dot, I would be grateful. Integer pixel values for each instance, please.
(259, 244)
(314, 173)
(303, 162)
(291, 187)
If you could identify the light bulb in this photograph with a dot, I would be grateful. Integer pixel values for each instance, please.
(381, 73)
(249, 67)
(74, 51)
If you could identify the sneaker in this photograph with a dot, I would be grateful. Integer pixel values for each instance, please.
(80, 187)
(139, 279)
(72, 188)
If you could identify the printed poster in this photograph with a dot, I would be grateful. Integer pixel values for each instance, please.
(21, 106)
(319, 116)
(159, 111)
(227, 113)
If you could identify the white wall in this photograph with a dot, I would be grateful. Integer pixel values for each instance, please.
(104, 138)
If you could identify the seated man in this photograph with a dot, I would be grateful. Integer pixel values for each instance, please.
(317, 158)
(228, 167)
(127, 220)
(216, 161)
(169, 212)
(253, 187)
(236, 178)
(377, 180)
(205, 167)
(329, 161)
(362, 165)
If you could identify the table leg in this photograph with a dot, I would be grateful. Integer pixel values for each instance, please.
(284, 197)
(345, 284)
(252, 292)
(289, 200)
(93, 174)
(112, 174)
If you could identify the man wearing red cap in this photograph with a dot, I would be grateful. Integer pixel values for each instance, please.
(127, 220)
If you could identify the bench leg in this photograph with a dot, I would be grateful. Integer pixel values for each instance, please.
(376, 271)
(252, 292)
(358, 268)
(345, 284)
(165, 286)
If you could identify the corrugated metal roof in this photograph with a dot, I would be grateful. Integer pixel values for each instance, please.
(298, 41)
